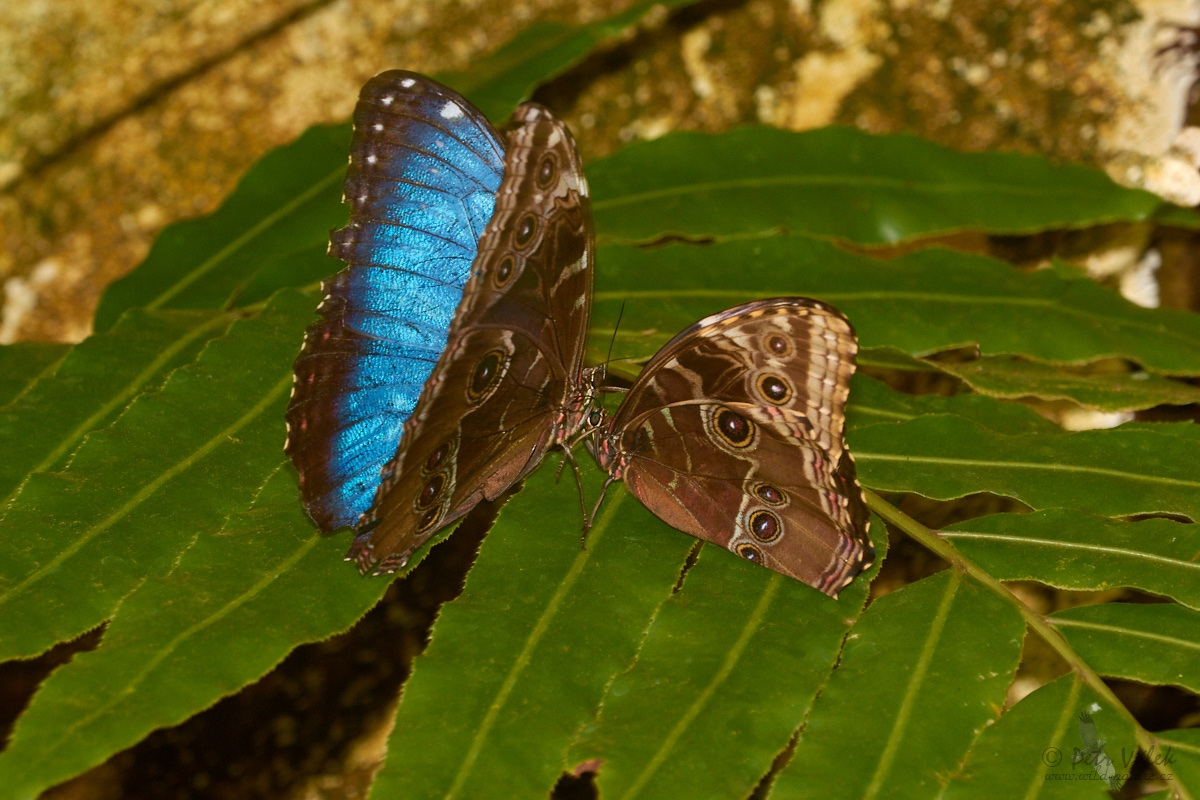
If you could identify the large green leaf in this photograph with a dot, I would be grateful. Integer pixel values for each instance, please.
(872, 403)
(920, 303)
(94, 383)
(1073, 550)
(728, 670)
(842, 182)
(1157, 643)
(1004, 376)
(926, 668)
(520, 660)
(136, 494)
(1029, 752)
(282, 210)
(239, 599)
(21, 365)
(288, 200)
(1178, 754)
(1114, 472)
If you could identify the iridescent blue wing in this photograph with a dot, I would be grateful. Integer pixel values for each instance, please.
(424, 170)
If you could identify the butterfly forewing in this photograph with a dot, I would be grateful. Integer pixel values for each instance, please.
(424, 170)
(733, 433)
(499, 394)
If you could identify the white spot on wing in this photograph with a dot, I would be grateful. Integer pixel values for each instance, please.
(451, 111)
(387, 101)
(371, 159)
(407, 83)
(378, 126)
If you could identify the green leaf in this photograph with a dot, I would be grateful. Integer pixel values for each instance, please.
(893, 359)
(925, 669)
(23, 363)
(872, 403)
(135, 495)
(288, 200)
(1008, 377)
(500, 81)
(1029, 752)
(921, 303)
(239, 600)
(1155, 643)
(841, 182)
(1113, 472)
(282, 210)
(521, 659)
(92, 385)
(728, 670)
(1083, 552)
(301, 269)
(1178, 753)
(1175, 216)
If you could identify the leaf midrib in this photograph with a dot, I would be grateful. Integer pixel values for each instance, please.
(1056, 544)
(913, 688)
(1030, 465)
(933, 297)
(1120, 631)
(734, 654)
(531, 642)
(120, 398)
(149, 489)
(210, 263)
(1037, 783)
(908, 185)
(222, 612)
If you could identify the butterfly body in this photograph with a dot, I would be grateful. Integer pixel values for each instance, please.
(511, 383)
(424, 171)
(733, 433)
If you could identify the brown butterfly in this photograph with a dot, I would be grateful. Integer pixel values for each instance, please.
(510, 384)
(733, 433)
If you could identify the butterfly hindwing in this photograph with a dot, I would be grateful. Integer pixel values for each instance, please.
(733, 433)
(424, 170)
(510, 383)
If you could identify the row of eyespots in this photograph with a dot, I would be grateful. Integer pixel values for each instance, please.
(765, 525)
(527, 226)
(427, 502)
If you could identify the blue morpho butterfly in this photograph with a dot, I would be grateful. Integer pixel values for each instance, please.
(424, 170)
(509, 383)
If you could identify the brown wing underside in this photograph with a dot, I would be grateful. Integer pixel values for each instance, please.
(488, 413)
(775, 500)
(793, 354)
(733, 433)
(503, 387)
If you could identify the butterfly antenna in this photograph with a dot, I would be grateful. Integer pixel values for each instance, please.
(613, 340)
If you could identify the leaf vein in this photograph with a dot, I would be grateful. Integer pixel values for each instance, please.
(149, 489)
(526, 654)
(753, 622)
(974, 462)
(1177, 562)
(266, 222)
(1116, 629)
(913, 689)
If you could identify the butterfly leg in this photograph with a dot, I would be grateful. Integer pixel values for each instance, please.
(569, 456)
(591, 518)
